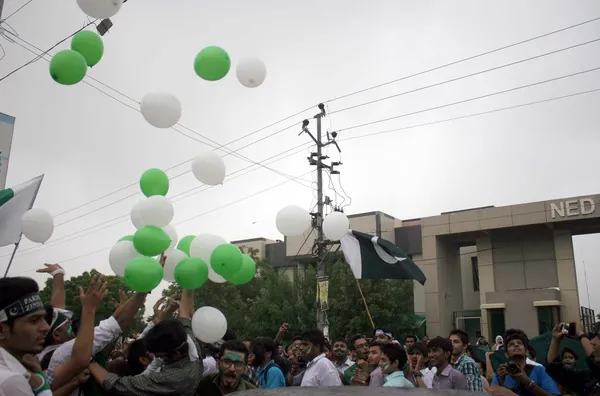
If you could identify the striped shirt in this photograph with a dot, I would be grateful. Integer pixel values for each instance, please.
(470, 370)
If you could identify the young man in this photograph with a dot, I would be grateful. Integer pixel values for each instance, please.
(22, 332)
(446, 377)
(420, 374)
(320, 371)
(393, 359)
(340, 352)
(232, 365)
(376, 377)
(360, 351)
(518, 376)
(410, 340)
(269, 374)
(383, 336)
(462, 361)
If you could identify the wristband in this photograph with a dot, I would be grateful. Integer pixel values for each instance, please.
(45, 385)
(58, 272)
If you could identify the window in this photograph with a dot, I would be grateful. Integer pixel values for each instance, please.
(547, 318)
(475, 270)
(497, 323)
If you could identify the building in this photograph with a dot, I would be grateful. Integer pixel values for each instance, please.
(487, 269)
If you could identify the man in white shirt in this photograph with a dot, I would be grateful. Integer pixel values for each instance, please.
(320, 371)
(22, 332)
(340, 351)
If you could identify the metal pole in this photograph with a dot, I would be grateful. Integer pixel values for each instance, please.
(1, 7)
(12, 256)
(587, 289)
(322, 322)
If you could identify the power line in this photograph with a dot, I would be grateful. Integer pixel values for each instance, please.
(467, 76)
(14, 12)
(472, 99)
(464, 59)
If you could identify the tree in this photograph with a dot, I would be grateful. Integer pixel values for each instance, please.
(276, 296)
(106, 309)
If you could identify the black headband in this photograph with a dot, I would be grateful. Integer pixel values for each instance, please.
(24, 306)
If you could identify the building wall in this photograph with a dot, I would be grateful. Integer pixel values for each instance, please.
(259, 244)
(470, 296)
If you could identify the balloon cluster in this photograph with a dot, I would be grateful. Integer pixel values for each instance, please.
(193, 260)
(69, 67)
(293, 220)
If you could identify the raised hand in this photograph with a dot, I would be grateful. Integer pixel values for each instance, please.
(123, 297)
(31, 363)
(50, 268)
(557, 332)
(163, 259)
(161, 312)
(95, 292)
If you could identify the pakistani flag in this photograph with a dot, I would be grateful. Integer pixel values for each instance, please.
(371, 257)
(14, 202)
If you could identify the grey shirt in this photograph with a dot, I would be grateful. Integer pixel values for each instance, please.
(377, 378)
(449, 378)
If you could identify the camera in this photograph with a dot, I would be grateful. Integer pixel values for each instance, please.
(568, 329)
(513, 368)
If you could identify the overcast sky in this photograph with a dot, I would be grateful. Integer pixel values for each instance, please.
(88, 144)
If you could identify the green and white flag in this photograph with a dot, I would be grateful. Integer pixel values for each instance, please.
(371, 257)
(14, 203)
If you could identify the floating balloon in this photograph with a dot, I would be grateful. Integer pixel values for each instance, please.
(127, 238)
(191, 273)
(174, 256)
(172, 233)
(161, 109)
(184, 244)
(292, 221)
(120, 255)
(154, 182)
(226, 259)
(209, 168)
(214, 277)
(209, 324)
(68, 67)
(37, 225)
(336, 225)
(246, 272)
(202, 247)
(136, 215)
(151, 241)
(89, 45)
(143, 274)
(100, 9)
(212, 63)
(251, 72)
(157, 211)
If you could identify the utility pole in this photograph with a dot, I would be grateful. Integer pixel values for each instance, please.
(1, 7)
(320, 246)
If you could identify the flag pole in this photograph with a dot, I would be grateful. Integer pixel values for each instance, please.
(365, 302)
(12, 256)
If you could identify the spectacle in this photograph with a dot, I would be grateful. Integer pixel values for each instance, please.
(237, 363)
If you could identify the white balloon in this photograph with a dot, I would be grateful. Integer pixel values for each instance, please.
(37, 225)
(336, 225)
(251, 72)
(203, 245)
(136, 215)
(120, 255)
(213, 276)
(172, 233)
(100, 8)
(174, 256)
(209, 324)
(157, 211)
(292, 221)
(161, 109)
(209, 168)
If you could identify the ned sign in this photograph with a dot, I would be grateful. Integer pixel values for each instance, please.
(572, 207)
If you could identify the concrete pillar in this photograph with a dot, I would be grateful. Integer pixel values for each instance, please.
(450, 298)
(567, 276)
(485, 260)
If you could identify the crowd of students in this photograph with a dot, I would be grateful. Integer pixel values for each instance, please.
(45, 351)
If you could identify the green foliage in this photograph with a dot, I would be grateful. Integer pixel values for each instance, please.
(275, 296)
(106, 308)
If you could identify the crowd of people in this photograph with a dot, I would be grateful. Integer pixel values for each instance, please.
(47, 350)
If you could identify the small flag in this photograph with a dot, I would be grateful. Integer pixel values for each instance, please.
(371, 257)
(14, 203)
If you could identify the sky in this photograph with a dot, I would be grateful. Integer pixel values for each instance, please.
(89, 140)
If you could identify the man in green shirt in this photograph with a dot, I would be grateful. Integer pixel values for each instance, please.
(359, 347)
(233, 358)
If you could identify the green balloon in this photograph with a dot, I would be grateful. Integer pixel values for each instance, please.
(151, 241)
(143, 274)
(90, 45)
(184, 244)
(191, 273)
(246, 272)
(154, 182)
(212, 63)
(68, 67)
(226, 259)
(127, 238)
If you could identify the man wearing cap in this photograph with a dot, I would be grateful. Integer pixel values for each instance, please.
(383, 336)
(22, 333)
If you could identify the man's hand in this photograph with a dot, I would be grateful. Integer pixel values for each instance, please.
(501, 372)
(521, 377)
(283, 328)
(50, 268)
(578, 330)
(163, 259)
(161, 313)
(95, 293)
(557, 332)
(31, 363)
(83, 377)
(123, 297)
